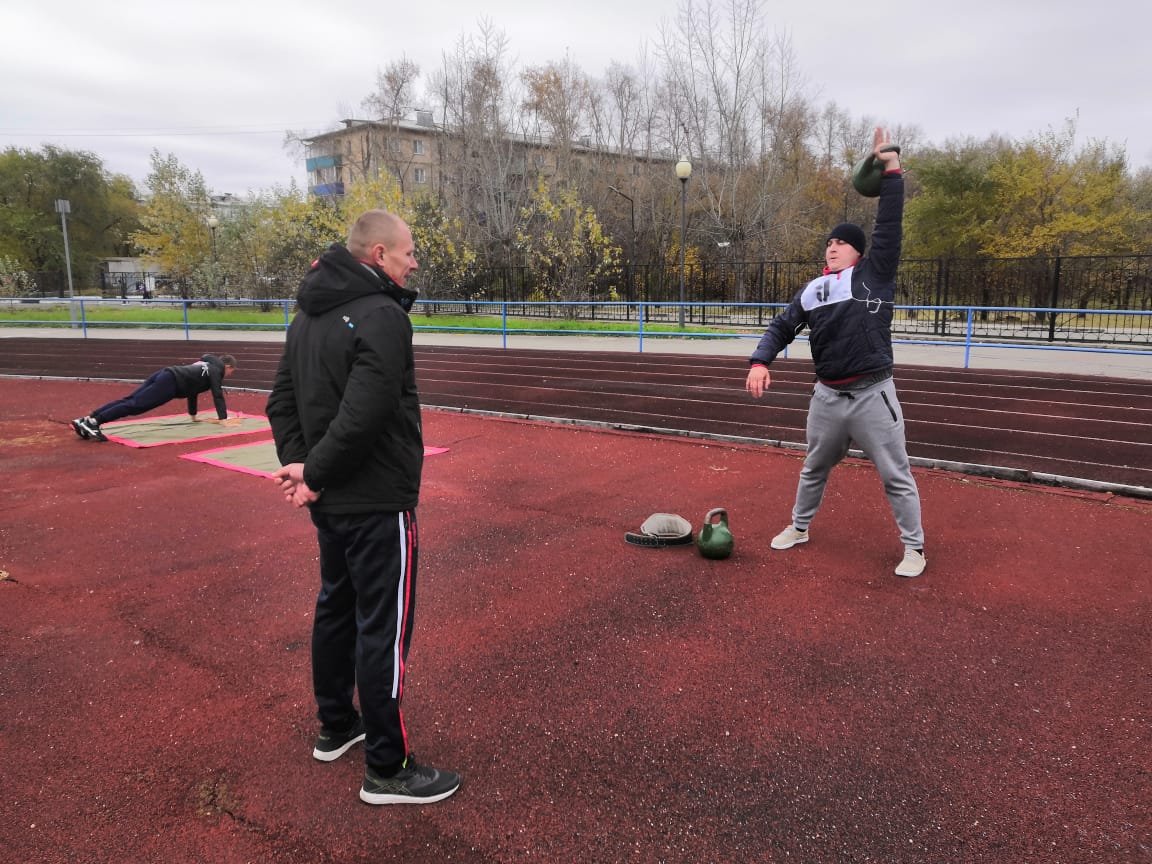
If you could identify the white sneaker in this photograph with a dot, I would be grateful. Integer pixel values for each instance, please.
(789, 537)
(912, 565)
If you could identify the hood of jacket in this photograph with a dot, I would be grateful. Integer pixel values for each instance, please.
(337, 277)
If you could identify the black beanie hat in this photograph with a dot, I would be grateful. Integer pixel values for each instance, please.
(851, 234)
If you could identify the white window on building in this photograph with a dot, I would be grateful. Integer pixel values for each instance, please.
(420, 175)
(418, 147)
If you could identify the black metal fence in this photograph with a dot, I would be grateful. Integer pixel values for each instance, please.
(1116, 328)
(54, 283)
(1016, 284)
(1115, 282)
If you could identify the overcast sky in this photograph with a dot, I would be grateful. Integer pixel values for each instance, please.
(217, 84)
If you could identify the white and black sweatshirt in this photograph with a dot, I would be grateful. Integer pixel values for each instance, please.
(848, 314)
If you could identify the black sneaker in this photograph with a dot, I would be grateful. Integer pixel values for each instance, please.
(331, 745)
(80, 427)
(412, 784)
(89, 425)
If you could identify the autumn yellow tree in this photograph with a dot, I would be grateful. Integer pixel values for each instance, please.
(377, 193)
(1037, 198)
(267, 245)
(447, 260)
(1051, 201)
(15, 281)
(174, 231)
(565, 245)
(272, 242)
(955, 201)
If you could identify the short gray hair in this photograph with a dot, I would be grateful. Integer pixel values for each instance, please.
(372, 227)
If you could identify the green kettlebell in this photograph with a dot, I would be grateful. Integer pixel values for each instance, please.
(866, 173)
(715, 540)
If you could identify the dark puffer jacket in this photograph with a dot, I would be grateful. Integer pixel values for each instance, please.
(850, 325)
(344, 401)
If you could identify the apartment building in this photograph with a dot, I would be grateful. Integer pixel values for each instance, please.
(407, 149)
(422, 156)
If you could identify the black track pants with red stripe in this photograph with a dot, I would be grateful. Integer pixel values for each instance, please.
(363, 626)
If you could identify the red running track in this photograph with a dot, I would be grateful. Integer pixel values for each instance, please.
(1081, 431)
(1026, 425)
(605, 703)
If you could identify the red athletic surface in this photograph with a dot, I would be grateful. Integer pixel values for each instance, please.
(605, 703)
(1011, 424)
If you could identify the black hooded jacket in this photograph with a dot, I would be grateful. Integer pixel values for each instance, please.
(344, 401)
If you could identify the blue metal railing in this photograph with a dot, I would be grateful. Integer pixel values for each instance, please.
(953, 326)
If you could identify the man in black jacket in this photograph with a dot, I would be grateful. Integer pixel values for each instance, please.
(346, 418)
(848, 312)
(162, 386)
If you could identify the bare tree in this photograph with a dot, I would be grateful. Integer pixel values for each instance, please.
(770, 170)
(736, 108)
(624, 104)
(382, 147)
(776, 180)
(393, 97)
(485, 150)
(557, 97)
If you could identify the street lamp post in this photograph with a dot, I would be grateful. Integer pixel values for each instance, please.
(632, 239)
(213, 224)
(683, 171)
(64, 207)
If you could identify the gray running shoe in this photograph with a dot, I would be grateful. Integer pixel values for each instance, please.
(331, 745)
(412, 784)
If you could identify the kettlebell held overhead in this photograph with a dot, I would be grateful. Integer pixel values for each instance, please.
(867, 172)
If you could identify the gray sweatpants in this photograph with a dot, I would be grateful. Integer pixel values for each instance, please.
(871, 417)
